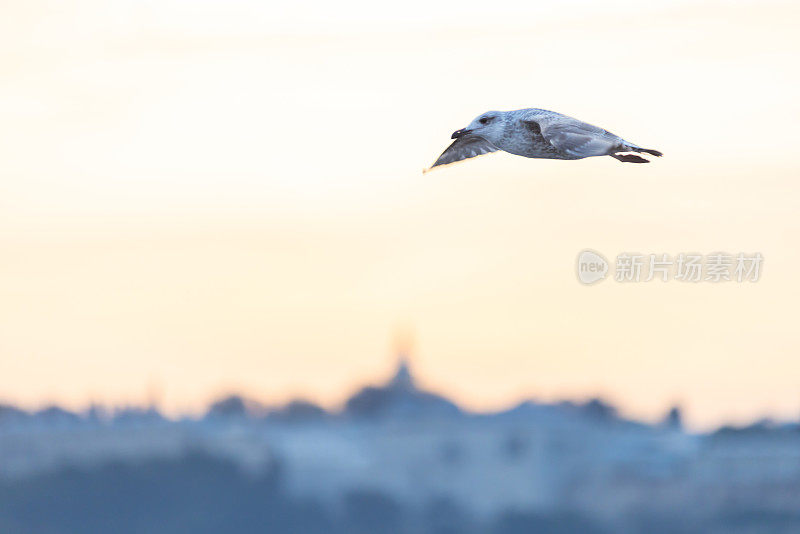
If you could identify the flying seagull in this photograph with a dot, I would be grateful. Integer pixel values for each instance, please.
(538, 133)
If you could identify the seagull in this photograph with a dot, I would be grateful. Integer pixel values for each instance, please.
(537, 133)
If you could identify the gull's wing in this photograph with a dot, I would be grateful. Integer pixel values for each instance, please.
(573, 137)
(465, 147)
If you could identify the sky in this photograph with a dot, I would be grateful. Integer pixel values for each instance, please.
(214, 196)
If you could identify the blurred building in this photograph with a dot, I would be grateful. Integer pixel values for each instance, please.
(418, 447)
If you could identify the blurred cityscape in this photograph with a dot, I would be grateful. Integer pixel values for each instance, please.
(395, 459)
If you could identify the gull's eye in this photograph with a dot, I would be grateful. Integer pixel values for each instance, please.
(483, 120)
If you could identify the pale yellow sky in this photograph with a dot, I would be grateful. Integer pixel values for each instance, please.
(215, 196)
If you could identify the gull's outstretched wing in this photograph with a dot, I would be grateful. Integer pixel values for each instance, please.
(575, 138)
(464, 147)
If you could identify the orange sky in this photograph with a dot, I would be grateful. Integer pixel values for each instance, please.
(212, 196)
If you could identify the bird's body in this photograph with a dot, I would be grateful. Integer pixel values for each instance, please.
(538, 133)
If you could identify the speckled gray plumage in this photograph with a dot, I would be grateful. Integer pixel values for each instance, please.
(538, 133)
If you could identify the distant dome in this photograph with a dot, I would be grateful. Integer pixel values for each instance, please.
(402, 378)
(398, 397)
(235, 406)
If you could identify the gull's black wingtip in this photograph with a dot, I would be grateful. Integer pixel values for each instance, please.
(629, 158)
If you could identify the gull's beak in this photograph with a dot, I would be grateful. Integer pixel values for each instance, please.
(460, 133)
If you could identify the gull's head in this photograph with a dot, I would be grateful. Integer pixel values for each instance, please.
(488, 125)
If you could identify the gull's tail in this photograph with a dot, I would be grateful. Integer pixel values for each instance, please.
(632, 158)
(650, 151)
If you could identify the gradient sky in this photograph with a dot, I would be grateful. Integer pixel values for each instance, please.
(199, 197)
